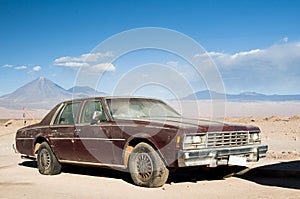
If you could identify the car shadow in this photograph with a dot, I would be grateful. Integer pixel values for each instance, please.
(195, 174)
(98, 172)
(280, 175)
(29, 163)
(87, 170)
(178, 176)
(284, 174)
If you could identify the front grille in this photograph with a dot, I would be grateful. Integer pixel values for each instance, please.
(227, 139)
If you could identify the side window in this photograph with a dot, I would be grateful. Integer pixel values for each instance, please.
(92, 113)
(67, 114)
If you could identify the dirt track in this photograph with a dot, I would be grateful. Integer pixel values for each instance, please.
(20, 178)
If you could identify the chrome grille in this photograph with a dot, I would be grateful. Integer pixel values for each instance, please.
(227, 139)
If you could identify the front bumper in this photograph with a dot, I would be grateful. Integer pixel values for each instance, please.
(220, 156)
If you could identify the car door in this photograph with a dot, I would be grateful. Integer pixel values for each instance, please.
(93, 143)
(62, 133)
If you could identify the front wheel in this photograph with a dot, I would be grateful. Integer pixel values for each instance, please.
(46, 160)
(146, 167)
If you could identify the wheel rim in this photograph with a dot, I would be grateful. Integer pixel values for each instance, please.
(45, 159)
(144, 166)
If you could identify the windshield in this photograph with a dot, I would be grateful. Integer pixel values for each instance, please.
(122, 108)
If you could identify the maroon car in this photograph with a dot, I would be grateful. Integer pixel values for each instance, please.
(143, 135)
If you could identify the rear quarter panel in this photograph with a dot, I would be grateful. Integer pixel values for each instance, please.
(25, 140)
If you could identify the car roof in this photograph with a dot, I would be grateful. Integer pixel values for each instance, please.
(109, 97)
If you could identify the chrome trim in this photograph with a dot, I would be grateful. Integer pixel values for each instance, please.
(92, 164)
(220, 139)
(70, 138)
(56, 113)
(219, 156)
(28, 157)
(133, 125)
(227, 139)
(14, 147)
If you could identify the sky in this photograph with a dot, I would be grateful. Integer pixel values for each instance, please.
(254, 45)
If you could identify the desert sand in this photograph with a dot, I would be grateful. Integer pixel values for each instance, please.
(19, 178)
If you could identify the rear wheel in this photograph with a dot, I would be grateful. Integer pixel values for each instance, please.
(146, 167)
(46, 160)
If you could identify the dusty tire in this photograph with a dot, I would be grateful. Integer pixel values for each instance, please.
(46, 161)
(146, 167)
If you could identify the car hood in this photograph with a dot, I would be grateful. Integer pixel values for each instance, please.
(200, 125)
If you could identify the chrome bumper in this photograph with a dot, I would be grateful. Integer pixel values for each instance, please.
(220, 156)
(14, 148)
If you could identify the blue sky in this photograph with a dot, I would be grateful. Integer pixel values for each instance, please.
(255, 44)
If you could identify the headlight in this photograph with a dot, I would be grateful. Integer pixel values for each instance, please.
(254, 137)
(194, 141)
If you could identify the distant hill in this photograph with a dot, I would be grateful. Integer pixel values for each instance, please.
(84, 91)
(246, 96)
(42, 93)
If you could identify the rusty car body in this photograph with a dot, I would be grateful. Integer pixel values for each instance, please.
(142, 135)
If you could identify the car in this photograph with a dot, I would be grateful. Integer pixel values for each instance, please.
(142, 135)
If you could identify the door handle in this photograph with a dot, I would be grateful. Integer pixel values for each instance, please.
(54, 133)
(77, 130)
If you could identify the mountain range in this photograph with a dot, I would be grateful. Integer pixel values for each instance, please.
(246, 96)
(43, 93)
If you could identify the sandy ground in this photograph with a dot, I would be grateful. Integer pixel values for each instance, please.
(221, 109)
(20, 114)
(282, 134)
(20, 178)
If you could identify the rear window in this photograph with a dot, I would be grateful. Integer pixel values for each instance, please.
(68, 114)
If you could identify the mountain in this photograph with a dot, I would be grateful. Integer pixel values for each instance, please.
(42, 93)
(246, 96)
(84, 91)
(203, 95)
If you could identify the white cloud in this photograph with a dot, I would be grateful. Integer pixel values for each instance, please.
(89, 57)
(37, 68)
(73, 64)
(278, 55)
(275, 68)
(172, 63)
(62, 60)
(93, 57)
(104, 67)
(92, 62)
(206, 54)
(20, 67)
(285, 39)
(246, 53)
(7, 66)
(23, 67)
